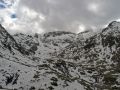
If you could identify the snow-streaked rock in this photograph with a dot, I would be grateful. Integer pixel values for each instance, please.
(61, 60)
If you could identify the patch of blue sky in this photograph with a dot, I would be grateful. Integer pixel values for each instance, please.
(2, 1)
(2, 5)
(13, 16)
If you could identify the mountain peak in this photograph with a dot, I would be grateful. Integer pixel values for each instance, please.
(84, 35)
(114, 24)
(2, 28)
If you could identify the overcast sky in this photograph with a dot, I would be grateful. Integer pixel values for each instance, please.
(31, 16)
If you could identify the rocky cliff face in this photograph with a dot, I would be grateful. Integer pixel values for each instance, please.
(9, 44)
(61, 60)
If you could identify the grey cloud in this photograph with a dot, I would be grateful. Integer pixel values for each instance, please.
(61, 14)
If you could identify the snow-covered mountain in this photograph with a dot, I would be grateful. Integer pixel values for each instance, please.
(61, 60)
(97, 59)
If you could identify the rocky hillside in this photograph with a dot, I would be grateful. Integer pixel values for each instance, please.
(97, 58)
(61, 60)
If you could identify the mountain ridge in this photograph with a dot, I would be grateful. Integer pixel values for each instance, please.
(61, 60)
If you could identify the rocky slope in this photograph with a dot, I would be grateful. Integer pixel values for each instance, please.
(61, 60)
(98, 59)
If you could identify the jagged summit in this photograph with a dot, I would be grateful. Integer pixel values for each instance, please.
(114, 24)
